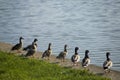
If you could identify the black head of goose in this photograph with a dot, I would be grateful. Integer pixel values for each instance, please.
(86, 59)
(35, 40)
(108, 63)
(75, 58)
(48, 52)
(19, 45)
(63, 54)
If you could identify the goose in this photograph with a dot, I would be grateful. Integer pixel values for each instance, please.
(108, 63)
(18, 46)
(63, 54)
(75, 58)
(86, 59)
(48, 52)
(29, 46)
(31, 50)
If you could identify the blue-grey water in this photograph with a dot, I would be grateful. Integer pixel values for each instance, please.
(88, 24)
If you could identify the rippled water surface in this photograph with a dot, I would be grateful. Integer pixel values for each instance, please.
(88, 24)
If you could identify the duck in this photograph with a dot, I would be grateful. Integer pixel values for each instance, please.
(75, 58)
(19, 45)
(29, 46)
(48, 52)
(32, 50)
(86, 59)
(63, 54)
(107, 63)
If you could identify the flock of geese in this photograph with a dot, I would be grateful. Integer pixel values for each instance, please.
(32, 48)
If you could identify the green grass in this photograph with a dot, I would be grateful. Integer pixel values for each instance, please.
(19, 68)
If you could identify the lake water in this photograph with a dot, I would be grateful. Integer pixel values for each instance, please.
(88, 24)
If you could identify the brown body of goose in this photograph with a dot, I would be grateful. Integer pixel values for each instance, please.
(32, 50)
(107, 64)
(75, 58)
(86, 59)
(63, 54)
(19, 45)
(48, 52)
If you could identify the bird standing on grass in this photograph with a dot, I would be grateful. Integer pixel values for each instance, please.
(63, 54)
(75, 58)
(32, 50)
(86, 59)
(18, 46)
(107, 64)
(48, 52)
(29, 46)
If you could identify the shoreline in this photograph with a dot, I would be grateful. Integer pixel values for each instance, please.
(113, 75)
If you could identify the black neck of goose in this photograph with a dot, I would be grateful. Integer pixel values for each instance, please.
(86, 55)
(107, 56)
(76, 52)
(49, 47)
(33, 46)
(20, 40)
(65, 49)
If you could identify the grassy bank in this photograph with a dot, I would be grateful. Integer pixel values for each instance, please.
(19, 68)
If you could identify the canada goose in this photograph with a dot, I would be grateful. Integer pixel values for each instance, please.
(86, 59)
(48, 52)
(19, 45)
(31, 50)
(108, 63)
(75, 58)
(63, 54)
(29, 46)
